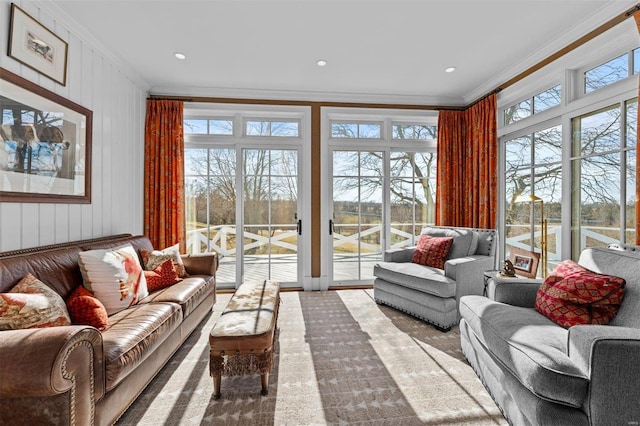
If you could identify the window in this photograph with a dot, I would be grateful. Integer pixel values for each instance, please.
(607, 73)
(414, 131)
(356, 130)
(533, 167)
(272, 128)
(534, 105)
(208, 127)
(612, 71)
(603, 176)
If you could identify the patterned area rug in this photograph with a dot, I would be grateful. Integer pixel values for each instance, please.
(342, 359)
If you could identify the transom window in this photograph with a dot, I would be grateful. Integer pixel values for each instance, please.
(534, 105)
(414, 131)
(218, 126)
(277, 128)
(356, 130)
(612, 71)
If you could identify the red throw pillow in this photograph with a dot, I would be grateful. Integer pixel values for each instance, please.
(432, 251)
(85, 309)
(573, 295)
(163, 276)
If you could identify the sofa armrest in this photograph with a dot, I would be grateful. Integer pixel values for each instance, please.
(402, 255)
(45, 362)
(468, 272)
(514, 291)
(610, 357)
(201, 263)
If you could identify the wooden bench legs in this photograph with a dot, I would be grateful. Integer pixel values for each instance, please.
(239, 364)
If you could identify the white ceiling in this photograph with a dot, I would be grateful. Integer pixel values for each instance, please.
(384, 51)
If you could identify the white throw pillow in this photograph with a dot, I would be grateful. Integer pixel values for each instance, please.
(114, 276)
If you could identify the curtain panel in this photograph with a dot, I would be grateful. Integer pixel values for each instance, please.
(467, 173)
(164, 174)
(636, 16)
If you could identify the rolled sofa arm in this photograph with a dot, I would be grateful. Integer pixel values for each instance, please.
(201, 263)
(610, 357)
(44, 362)
(403, 255)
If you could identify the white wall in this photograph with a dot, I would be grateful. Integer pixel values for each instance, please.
(97, 80)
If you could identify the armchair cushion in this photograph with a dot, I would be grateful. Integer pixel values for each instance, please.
(573, 295)
(465, 241)
(432, 251)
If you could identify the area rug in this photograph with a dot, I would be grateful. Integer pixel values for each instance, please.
(341, 359)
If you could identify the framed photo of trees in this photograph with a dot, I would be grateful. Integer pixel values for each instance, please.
(45, 145)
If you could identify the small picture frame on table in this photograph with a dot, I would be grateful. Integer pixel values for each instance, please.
(524, 262)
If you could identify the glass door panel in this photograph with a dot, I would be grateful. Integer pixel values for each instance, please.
(357, 214)
(270, 206)
(210, 198)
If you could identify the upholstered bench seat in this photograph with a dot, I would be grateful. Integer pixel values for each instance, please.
(241, 341)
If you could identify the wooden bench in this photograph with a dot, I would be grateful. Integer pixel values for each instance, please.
(242, 339)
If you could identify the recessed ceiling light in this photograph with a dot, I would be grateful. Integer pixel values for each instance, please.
(180, 56)
(321, 63)
(450, 69)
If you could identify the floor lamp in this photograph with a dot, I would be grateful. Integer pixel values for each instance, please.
(543, 223)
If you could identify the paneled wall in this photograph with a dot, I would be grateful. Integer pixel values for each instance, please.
(97, 80)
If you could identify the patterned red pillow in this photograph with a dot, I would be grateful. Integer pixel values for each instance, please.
(573, 295)
(85, 309)
(432, 251)
(163, 276)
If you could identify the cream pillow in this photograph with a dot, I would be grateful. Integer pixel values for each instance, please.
(155, 258)
(114, 276)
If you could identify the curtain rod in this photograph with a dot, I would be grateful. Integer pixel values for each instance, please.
(572, 46)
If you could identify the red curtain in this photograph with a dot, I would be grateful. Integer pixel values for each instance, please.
(636, 16)
(164, 174)
(467, 177)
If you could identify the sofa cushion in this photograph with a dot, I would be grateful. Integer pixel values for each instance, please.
(188, 293)
(418, 277)
(133, 334)
(623, 264)
(530, 346)
(573, 295)
(465, 241)
(154, 258)
(432, 251)
(164, 275)
(32, 304)
(85, 309)
(114, 276)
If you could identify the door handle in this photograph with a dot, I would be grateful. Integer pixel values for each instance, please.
(330, 226)
(299, 227)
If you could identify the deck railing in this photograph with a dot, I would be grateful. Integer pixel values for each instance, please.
(221, 235)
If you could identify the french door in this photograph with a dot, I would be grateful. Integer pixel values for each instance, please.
(357, 215)
(270, 220)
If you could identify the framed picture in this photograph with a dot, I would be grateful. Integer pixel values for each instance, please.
(35, 46)
(45, 145)
(524, 262)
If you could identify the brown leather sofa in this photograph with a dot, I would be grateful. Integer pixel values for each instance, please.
(77, 375)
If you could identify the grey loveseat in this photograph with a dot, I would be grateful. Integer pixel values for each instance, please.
(540, 373)
(433, 294)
